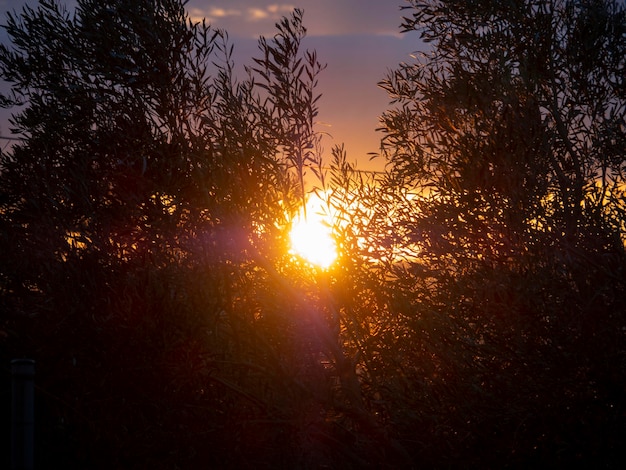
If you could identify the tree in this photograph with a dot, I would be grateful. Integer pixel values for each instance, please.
(125, 120)
(144, 221)
(508, 132)
(520, 121)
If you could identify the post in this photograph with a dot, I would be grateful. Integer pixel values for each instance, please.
(22, 414)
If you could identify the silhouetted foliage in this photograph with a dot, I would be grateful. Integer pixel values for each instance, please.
(144, 221)
(506, 150)
(474, 319)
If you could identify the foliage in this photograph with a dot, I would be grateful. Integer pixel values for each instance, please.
(144, 220)
(521, 121)
(474, 318)
(507, 138)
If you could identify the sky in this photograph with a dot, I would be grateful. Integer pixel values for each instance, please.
(358, 40)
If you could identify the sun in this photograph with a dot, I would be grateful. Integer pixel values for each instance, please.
(311, 236)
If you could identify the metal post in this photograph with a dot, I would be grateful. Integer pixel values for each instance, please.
(22, 414)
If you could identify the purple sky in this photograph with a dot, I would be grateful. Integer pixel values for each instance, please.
(359, 41)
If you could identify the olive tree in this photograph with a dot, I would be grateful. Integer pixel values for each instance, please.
(144, 220)
(520, 125)
(492, 251)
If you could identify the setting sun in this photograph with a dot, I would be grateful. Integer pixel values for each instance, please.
(311, 235)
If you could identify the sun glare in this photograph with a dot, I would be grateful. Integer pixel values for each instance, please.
(311, 236)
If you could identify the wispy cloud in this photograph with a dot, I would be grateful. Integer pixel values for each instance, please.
(252, 18)
(279, 9)
(222, 13)
(213, 14)
(256, 14)
(269, 12)
(235, 17)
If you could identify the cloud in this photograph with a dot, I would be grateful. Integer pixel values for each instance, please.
(269, 12)
(213, 14)
(257, 14)
(222, 13)
(240, 18)
(279, 9)
(321, 17)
